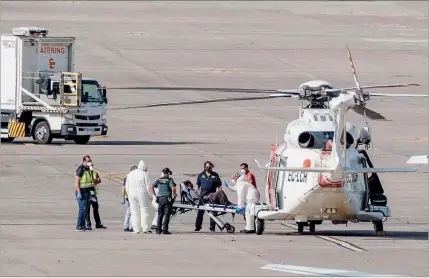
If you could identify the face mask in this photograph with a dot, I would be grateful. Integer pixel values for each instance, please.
(209, 169)
(243, 171)
(164, 175)
(91, 168)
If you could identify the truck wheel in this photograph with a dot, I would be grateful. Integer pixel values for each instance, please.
(7, 140)
(82, 140)
(42, 133)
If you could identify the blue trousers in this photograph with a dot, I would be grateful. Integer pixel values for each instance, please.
(127, 220)
(83, 205)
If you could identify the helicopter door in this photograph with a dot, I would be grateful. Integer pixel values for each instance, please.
(365, 198)
(279, 181)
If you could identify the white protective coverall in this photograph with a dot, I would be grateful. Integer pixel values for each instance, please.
(155, 205)
(136, 186)
(247, 197)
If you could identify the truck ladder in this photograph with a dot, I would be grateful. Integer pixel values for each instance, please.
(70, 92)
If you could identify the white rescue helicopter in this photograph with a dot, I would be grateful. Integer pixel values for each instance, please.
(319, 172)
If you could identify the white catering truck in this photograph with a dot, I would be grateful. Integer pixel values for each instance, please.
(41, 95)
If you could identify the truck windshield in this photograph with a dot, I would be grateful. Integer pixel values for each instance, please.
(91, 92)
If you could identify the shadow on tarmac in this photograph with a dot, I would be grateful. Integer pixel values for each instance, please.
(407, 235)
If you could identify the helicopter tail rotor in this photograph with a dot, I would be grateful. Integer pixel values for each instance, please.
(368, 113)
(362, 97)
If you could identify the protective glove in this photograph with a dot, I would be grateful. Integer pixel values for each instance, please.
(157, 200)
(123, 201)
(239, 210)
(79, 196)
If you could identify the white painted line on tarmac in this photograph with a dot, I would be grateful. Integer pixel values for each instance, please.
(341, 243)
(324, 272)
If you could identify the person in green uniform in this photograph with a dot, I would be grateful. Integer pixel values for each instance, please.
(166, 190)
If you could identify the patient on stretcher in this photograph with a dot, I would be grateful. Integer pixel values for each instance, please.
(189, 195)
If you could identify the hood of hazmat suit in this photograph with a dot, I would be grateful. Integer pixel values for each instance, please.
(142, 165)
(138, 181)
(246, 193)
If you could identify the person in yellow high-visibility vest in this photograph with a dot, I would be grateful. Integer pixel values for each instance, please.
(93, 200)
(83, 185)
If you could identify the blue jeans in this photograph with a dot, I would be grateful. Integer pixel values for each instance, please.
(127, 220)
(83, 204)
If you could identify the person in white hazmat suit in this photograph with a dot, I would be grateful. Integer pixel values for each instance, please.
(247, 197)
(136, 186)
(155, 216)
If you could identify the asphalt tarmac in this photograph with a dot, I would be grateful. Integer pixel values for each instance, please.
(275, 45)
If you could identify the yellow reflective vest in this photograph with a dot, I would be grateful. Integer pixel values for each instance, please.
(88, 180)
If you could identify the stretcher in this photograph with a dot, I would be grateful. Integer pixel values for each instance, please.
(188, 203)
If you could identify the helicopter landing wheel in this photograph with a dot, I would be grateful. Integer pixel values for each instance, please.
(378, 227)
(260, 226)
(312, 227)
(300, 227)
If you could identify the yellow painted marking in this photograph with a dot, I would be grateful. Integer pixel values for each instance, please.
(16, 129)
(29, 144)
(111, 176)
(100, 136)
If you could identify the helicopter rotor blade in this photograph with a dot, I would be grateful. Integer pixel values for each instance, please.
(371, 114)
(396, 95)
(353, 69)
(186, 102)
(198, 89)
(283, 95)
(289, 91)
(384, 86)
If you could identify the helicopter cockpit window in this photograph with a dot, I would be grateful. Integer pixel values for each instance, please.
(315, 139)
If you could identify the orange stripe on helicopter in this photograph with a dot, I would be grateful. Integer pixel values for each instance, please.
(270, 177)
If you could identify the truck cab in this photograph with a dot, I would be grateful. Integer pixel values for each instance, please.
(88, 116)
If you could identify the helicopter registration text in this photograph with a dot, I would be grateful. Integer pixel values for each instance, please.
(351, 178)
(297, 177)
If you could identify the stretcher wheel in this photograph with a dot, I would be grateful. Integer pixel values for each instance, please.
(229, 228)
(260, 226)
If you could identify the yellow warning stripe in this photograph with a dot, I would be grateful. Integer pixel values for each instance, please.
(16, 129)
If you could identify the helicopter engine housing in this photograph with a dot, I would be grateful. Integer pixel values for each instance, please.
(306, 140)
